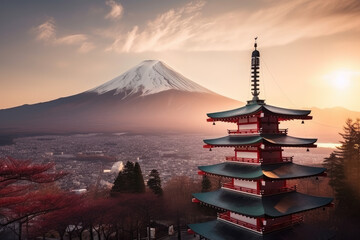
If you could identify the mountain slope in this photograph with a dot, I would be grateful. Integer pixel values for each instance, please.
(148, 97)
(149, 77)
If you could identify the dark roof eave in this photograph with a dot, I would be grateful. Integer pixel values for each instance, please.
(255, 140)
(262, 206)
(277, 171)
(249, 110)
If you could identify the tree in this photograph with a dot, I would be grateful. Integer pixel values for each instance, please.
(119, 183)
(21, 198)
(154, 182)
(177, 196)
(129, 180)
(343, 169)
(349, 153)
(139, 185)
(205, 184)
(344, 164)
(124, 180)
(59, 221)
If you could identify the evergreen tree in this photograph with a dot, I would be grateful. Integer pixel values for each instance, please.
(129, 180)
(349, 153)
(139, 185)
(129, 176)
(119, 185)
(205, 184)
(343, 167)
(154, 182)
(335, 169)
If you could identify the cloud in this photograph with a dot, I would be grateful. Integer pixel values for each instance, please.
(276, 23)
(86, 47)
(169, 30)
(116, 10)
(72, 39)
(46, 32)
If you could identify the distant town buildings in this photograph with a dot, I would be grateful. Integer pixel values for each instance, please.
(91, 160)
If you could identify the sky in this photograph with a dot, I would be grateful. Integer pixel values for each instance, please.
(310, 51)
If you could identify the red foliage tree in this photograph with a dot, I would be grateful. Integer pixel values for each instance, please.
(20, 196)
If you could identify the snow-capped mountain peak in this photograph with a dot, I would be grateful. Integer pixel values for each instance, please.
(149, 77)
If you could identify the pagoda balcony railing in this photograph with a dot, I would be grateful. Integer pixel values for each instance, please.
(226, 216)
(255, 160)
(244, 131)
(239, 159)
(276, 160)
(258, 131)
(278, 131)
(277, 226)
(241, 189)
(272, 191)
(263, 228)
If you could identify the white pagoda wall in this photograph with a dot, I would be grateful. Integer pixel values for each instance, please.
(243, 218)
(248, 126)
(247, 184)
(247, 155)
(246, 120)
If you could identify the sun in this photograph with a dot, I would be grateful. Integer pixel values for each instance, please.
(340, 79)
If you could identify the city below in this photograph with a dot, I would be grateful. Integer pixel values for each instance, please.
(94, 159)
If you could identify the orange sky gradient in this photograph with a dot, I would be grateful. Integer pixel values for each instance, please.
(309, 48)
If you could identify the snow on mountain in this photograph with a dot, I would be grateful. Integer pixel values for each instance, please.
(149, 77)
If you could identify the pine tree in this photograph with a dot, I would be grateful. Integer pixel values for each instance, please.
(129, 180)
(154, 182)
(139, 185)
(119, 183)
(343, 167)
(335, 169)
(349, 152)
(129, 176)
(205, 184)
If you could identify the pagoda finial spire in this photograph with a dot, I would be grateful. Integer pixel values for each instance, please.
(255, 65)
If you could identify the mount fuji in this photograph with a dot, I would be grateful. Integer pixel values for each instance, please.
(150, 97)
(147, 78)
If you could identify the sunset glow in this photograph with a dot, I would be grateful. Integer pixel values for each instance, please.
(341, 79)
(48, 54)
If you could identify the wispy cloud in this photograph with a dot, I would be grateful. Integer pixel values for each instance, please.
(170, 30)
(280, 22)
(46, 33)
(116, 10)
(86, 47)
(72, 39)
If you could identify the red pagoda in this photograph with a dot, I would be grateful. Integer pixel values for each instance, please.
(257, 200)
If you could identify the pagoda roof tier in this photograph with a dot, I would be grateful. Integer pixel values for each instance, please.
(266, 206)
(220, 230)
(276, 171)
(252, 109)
(268, 139)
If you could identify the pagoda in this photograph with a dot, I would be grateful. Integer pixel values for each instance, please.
(256, 199)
